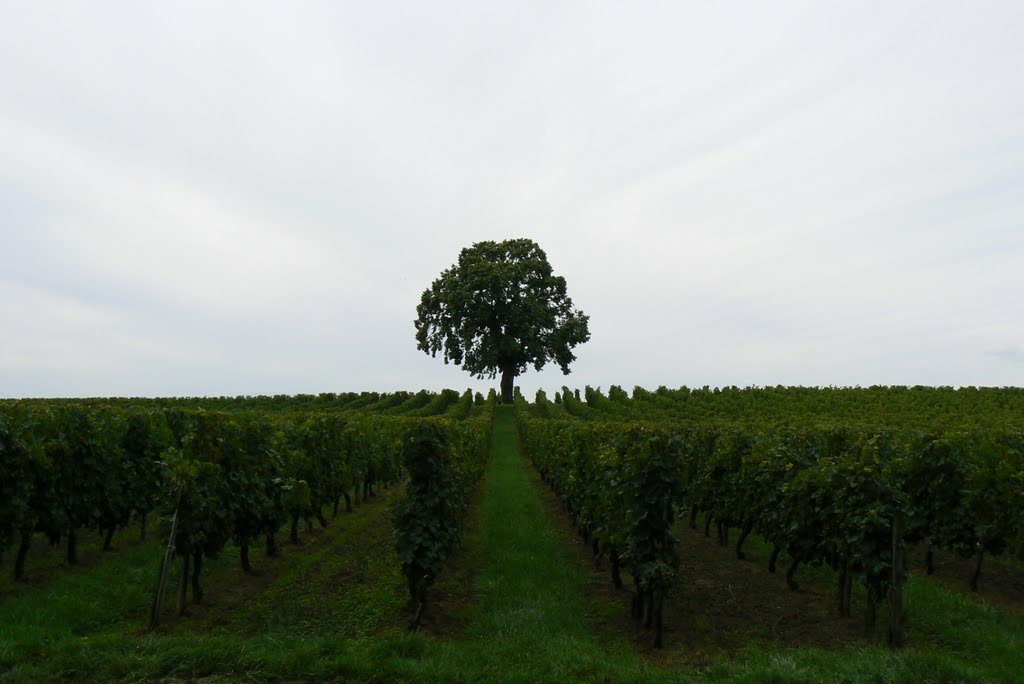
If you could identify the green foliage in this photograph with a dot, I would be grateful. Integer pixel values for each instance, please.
(463, 408)
(526, 599)
(425, 523)
(498, 310)
(650, 478)
(146, 436)
(775, 462)
(222, 475)
(16, 483)
(443, 460)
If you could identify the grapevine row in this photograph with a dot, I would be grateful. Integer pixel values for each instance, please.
(219, 476)
(827, 493)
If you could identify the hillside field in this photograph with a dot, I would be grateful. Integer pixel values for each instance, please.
(691, 535)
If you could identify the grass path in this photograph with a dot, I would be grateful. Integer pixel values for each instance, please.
(530, 619)
(530, 595)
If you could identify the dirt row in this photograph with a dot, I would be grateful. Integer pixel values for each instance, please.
(309, 587)
(721, 603)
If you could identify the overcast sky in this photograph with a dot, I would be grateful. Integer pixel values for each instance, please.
(249, 198)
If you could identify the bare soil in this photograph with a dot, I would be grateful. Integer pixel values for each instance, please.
(720, 604)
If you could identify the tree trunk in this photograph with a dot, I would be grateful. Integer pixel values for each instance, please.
(896, 593)
(659, 621)
(848, 589)
(72, 547)
(977, 571)
(19, 561)
(183, 588)
(108, 539)
(843, 608)
(197, 591)
(508, 378)
(790, 582)
(616, 575)
(637, 608)
(412, 578)
(871, 610)
(743, 537)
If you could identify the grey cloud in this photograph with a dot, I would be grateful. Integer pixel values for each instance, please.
(1010, 354)
(253, 201)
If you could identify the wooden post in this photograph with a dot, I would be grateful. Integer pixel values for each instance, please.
(896, 593)
(165, 568)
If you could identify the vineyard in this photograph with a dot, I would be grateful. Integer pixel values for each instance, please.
(215, 475)
(357, 536)
(850, 487)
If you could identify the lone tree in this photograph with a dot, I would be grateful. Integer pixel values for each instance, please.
(499, 309)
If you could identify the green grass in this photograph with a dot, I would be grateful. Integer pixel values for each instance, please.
(532, 614)
(528, 618)
(326, 592)
(945, 629)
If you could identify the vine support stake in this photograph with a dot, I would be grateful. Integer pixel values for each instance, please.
(165, 567)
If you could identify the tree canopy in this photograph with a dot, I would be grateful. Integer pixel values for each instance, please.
(498, 310)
